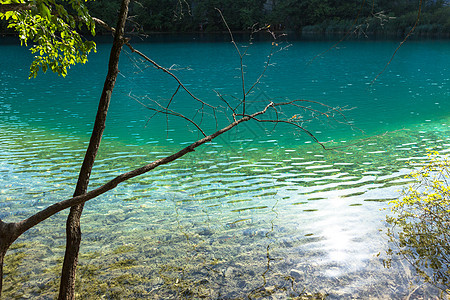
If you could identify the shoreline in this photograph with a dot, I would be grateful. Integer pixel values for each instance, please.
(243, 36)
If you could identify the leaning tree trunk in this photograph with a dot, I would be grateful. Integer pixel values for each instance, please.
(73, 229)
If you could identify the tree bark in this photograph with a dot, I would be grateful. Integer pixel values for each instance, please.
(2, 256)
(73, 228)
(4, 245)
(8, 234)
(3, 248)
(14, 7)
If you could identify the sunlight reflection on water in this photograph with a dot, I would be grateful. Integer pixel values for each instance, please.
(258, 208)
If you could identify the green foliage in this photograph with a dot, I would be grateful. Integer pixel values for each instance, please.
(317, 16)
(421, 222)
(155, 15)
(324, 16)
(52, 28)
(105, 10)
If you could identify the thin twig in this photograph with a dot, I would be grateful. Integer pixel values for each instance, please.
(241, 63)
(343, 38)
(24, 225)
(167, 111)
(401, 44)
(157, 66)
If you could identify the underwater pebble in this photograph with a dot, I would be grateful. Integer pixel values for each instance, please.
(230, 272)
(286, 243)
(115, 212)
(166, 237)
(158, 281)
(253, 232)
(296, 273)
(205, 232)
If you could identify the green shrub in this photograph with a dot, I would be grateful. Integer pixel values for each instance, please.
(421, 222)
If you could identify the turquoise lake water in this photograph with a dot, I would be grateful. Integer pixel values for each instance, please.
(261, 212)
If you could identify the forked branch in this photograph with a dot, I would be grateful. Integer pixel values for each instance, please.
(28, 223)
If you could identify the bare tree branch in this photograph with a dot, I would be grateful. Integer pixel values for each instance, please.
(104, 25)
(343, 38)
(15, 7)
(267, 64)
(329, 113)
(402, 42)
(167, 112)
(157, 66)
(241, 58)
(315, 109)
(22, 226)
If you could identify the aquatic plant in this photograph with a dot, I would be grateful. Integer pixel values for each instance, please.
(421, 222)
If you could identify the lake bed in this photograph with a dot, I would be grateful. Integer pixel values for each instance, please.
(261, 212)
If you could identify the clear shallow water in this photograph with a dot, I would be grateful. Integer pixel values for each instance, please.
(261, 212)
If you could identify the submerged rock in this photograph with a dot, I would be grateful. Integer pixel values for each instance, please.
(230, 272)
(254, 232)
(297, 274)
(205, 232)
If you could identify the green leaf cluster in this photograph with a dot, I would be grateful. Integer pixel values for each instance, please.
(52, 28)
(421, 222)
